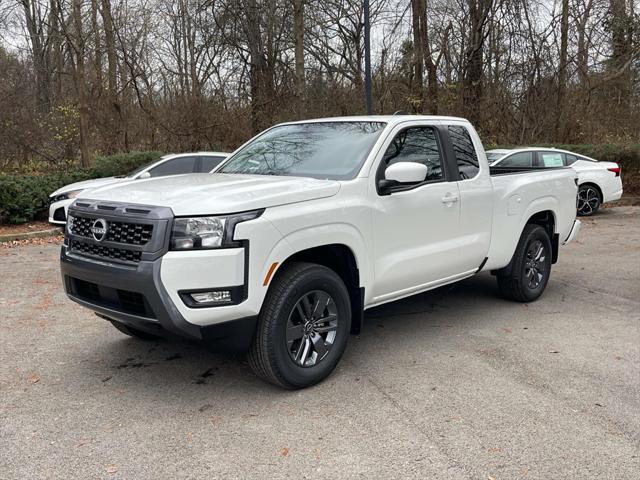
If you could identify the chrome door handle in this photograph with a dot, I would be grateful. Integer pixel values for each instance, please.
(448, 198)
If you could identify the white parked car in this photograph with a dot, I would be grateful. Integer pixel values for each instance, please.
(598, 182)
(173, 164)
(306, 226)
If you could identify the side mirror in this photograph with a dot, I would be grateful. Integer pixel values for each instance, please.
(144, 175)
(402, 173)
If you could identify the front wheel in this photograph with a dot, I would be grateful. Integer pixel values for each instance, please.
(303, 327)
(588, 200)
(527, 275)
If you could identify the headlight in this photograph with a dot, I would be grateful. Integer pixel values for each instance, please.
(74, 193)
(67, 195)
(197, 233)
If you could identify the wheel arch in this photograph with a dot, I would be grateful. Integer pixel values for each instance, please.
(591, 183)
(547, 220)
(340, 258)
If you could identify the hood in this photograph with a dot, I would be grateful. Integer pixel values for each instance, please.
(95, 183)
(211, 194)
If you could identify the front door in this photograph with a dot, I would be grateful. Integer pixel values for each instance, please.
(415, 227)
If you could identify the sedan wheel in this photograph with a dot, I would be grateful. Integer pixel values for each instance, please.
(588, 200)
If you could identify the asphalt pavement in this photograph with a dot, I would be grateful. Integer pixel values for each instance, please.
(456, 383)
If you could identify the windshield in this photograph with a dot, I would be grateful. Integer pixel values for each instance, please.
(325, 150)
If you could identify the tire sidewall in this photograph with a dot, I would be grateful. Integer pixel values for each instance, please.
(315, 278)
(538, 233)
(586, 187)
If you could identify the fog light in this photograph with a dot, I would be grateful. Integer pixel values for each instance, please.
(219, 296)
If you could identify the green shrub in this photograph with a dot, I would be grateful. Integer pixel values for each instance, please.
(25, 197)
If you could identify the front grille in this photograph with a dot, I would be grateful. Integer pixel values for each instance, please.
(120, 232)
(126, 301)
(102, 251)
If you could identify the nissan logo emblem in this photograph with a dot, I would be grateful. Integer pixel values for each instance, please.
(99, 229)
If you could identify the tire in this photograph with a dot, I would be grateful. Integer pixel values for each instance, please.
(134, 332)
(526, 277)
(589, 200)
(296, 345)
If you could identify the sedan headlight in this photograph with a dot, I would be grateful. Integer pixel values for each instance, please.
(196, 233)
(67, 195)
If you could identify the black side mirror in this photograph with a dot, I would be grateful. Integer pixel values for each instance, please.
(385, 187)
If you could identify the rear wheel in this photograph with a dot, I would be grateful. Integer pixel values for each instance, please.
(588, 200)
(526, 277)
(133, 332)
(303, 327)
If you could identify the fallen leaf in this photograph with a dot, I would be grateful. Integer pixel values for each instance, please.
(111, 469)
(284, 452)
(34, 377)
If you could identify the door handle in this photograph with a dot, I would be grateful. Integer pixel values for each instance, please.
(450, 198)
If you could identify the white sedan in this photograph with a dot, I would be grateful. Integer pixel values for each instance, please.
(174, 164)
(598, 182)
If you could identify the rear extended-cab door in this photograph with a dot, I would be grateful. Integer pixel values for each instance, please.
(476, 192)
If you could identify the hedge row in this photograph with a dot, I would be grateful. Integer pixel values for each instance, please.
(26, 197)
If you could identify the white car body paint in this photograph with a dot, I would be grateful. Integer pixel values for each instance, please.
(63, 204)
(590, 171)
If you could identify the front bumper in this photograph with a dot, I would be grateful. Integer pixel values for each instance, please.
(129, 275)
(58, 211)
(136, 296)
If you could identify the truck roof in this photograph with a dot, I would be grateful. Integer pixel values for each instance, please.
(389, 119)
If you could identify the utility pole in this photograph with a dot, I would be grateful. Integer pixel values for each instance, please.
(367, 58)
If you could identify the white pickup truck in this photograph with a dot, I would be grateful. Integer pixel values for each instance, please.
(304, 227)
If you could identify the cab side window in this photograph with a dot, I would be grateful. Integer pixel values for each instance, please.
(419, 145)
(520, 159)
(466, 158)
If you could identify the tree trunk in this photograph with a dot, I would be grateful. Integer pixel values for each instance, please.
(298, 38)
(112, 70)
(81, 87)
(620, 51)
(472, 84)
(97, 54)
(35, 28)
(432, 72)
(417, 90)
(562, 72)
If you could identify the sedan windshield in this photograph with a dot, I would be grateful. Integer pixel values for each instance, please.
(325, 150)
(140, 169)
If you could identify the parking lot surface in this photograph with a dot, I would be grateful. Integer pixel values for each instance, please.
(454, 383)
